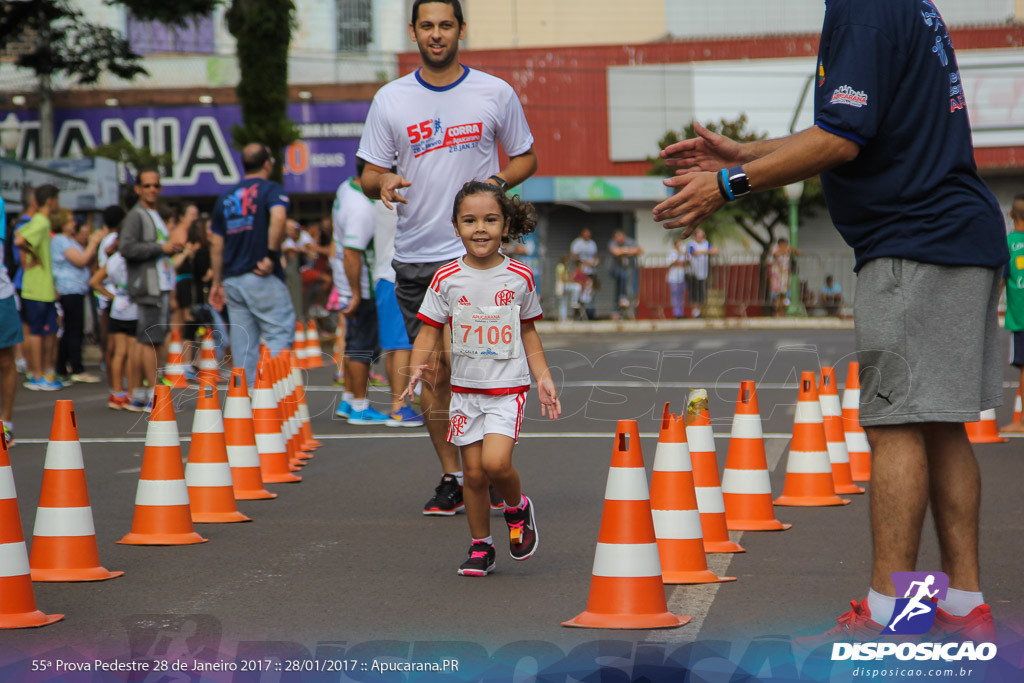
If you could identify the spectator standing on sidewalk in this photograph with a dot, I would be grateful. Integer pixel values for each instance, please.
(10, 337)
(624, 251)
(700, 251)
(780, 260)
(112, 217)
(248, 228)
(147, 245)
(74, 250)
(678, 260)
(38, 292)
(583, 250)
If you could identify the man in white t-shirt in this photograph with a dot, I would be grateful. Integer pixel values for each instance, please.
(583, 250)
(443, 124)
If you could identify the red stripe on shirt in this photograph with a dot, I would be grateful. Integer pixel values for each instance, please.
(530, 320)
(442, 273)
(429, 321)
(523, 271)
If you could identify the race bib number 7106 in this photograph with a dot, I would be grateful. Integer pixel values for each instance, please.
(486, 331)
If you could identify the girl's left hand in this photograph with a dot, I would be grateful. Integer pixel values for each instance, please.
(549, 403)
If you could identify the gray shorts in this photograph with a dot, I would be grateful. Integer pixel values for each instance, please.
(411, 283)
(928, 342)
(154, 321)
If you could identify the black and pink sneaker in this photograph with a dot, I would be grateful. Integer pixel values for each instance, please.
(447, 499)
(481, 560)
(522, 531)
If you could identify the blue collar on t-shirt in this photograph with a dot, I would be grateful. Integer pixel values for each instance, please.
(442, 88)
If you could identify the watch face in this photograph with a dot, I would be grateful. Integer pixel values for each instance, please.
(739, 183)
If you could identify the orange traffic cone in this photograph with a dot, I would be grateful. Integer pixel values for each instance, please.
(1017, 406)
(17, 599)
(313, 352)
(856, 440)
(746, 486)
(705, 476)
(809, 470)
(211, 492)
(290, 406)
(305, 426)
(208, 369)
(299, 346)
(985, 430)
(835, 438)
(174, 371)
(267, 426)
(284, 406)
(64, 540)
(626, 589)
(674, 507)
(162, 515)
(240, 439)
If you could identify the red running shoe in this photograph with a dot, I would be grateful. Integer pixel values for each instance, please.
(978, 626)
(854, 626)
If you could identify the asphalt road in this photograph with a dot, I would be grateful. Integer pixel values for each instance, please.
(343, 567)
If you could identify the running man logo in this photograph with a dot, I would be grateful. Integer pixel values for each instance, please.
(915, 611)
(456, 426)
(504, 297)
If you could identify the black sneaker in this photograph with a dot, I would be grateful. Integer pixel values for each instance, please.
(481, 560)
(447, 498)
(497, 502)
(522, 531)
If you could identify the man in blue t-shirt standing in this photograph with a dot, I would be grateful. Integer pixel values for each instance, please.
(892, 142)
(248, 225)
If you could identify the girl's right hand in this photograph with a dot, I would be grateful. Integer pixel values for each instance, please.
(414, 379)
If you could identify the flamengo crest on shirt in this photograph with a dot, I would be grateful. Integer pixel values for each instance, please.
(844, 94)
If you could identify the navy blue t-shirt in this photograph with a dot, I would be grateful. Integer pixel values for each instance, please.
(888, 80)
(242, 217)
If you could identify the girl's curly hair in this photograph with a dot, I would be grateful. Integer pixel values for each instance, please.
(522, 217)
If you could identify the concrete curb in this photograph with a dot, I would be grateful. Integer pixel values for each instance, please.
(693, 325)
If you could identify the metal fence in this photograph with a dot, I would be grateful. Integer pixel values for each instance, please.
(737, 285)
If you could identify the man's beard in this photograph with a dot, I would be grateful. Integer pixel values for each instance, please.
(441, 62)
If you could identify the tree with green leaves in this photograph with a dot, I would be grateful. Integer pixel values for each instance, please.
(262, 29)
(63, 43)
(757, 216)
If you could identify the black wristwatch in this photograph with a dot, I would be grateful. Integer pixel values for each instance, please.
(502, 183)
(736, 182)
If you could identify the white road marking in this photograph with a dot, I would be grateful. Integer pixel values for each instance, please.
(696, 601)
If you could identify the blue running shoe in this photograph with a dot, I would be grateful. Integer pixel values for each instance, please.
(344, 409)
(370, 416)
(405, 417)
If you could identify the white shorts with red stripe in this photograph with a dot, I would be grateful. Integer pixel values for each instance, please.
(474, 415)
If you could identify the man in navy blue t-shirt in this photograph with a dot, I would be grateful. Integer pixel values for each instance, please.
(248, 225)
(892, 142)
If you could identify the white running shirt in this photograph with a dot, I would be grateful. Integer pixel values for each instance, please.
(442, 137)
(354, 218)
(455, 285)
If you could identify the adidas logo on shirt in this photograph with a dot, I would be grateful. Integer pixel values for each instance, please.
(464, 302)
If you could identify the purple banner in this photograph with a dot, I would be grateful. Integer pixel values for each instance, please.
(198, 138)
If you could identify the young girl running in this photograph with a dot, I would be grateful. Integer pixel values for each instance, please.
(489, 303)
